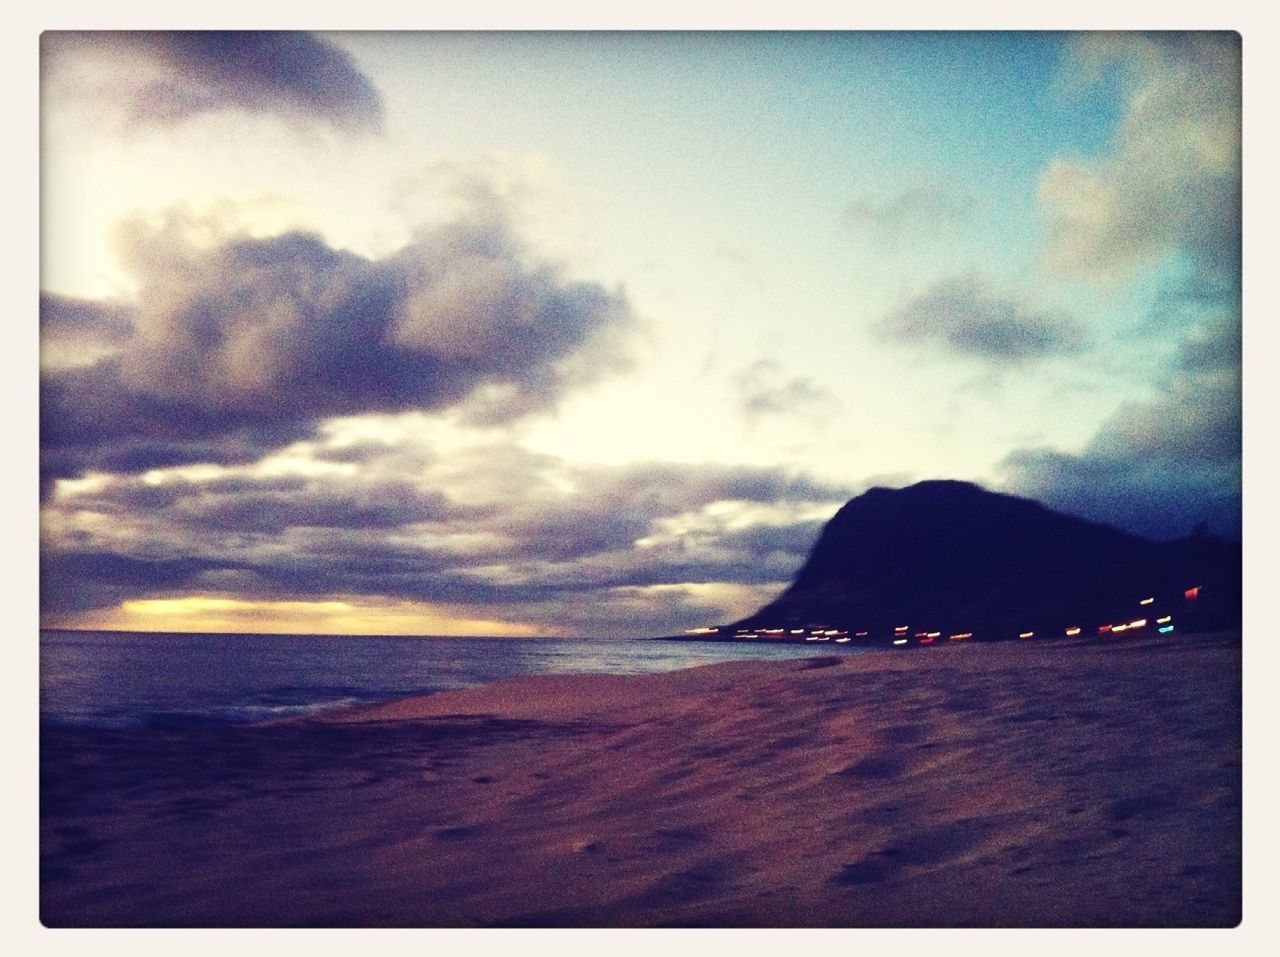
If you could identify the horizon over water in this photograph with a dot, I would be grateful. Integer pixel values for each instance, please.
(125, 679)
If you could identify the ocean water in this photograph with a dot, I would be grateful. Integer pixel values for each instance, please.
(137, 679)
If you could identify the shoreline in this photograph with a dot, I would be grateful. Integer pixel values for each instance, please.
(1000, 784)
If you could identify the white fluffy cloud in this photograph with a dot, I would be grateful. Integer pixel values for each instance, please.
(1171, 179)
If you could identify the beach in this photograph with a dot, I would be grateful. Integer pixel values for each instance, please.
(1025, 784)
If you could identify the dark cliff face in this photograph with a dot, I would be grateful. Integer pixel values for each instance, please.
(953, 557)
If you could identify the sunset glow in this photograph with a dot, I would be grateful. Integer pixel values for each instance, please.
(591, 333)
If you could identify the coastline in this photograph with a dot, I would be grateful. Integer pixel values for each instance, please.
(1060, 785)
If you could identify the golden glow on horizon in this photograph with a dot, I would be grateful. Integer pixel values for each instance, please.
(212, 614)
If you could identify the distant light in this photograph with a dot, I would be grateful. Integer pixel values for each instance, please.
(1103, 629)
(1115, 628)
(840, 641)
(861, 634)
(797, 631)
(900, 641)
(1140, 623)
(934, 634)
(1192, 593)
(1165, 620)
(1073, 631)
(749, 635)
(1146, 601)
(926, 640)
(832, 631)
(702, 631)
(962, 636)
(901, 628)
(773, 631)
(1166, 629)
(1026, 634)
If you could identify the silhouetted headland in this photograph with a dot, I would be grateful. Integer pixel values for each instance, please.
(945, 560)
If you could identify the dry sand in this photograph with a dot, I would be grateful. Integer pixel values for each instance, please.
(1036, 784)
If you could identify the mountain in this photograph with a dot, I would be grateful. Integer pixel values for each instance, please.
(954, 558)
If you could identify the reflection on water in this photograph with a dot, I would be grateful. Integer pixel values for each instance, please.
(120, 679)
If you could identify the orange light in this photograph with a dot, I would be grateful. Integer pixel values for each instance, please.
(1165, 620)
(1146, 601)
(1140, 623)
(1192, 593)
(1026, 634)
(1103, 629)
(962, 636)
(901, 628)
(1073, 631)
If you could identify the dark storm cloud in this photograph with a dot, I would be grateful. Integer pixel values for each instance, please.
(680, 487)
(373, 536)
(269, 506)
(1158, 468)
(80, 580)
(247, 346)
(964, 316)
(176, 75)
(80, 323)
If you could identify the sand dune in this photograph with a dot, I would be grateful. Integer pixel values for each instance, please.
(1072, 784)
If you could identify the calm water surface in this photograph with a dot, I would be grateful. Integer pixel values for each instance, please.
(130, 679)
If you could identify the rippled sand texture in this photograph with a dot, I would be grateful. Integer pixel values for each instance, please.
(1072, 784)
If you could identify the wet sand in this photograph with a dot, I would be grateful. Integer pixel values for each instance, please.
(1073, 784)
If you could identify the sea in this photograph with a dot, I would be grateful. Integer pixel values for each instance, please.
(115, 679)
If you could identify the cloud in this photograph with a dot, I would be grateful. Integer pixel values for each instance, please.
(913, 213)
(237, 348)
(966, 317)
(763, 390)
(592, 545)
(164, 78)
(76, 332)
(1171, 179)
(1162, 467)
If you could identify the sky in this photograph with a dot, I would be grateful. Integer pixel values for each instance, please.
(588, 334)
